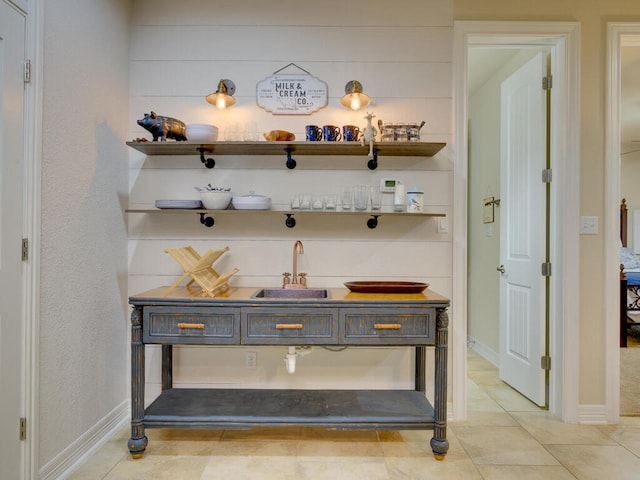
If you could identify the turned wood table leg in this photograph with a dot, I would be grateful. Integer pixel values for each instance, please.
(439, 443)
(138, 441)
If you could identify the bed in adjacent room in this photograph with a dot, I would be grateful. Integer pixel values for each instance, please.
(629, 274)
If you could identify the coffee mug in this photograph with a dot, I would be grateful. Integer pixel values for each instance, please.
(331, 133)
(350, 133)
(314, 133)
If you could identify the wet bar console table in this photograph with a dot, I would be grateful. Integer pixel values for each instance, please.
(343, 318)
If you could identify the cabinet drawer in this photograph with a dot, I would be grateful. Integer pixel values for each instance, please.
(197, 325)
(393, 326)
(290, 326)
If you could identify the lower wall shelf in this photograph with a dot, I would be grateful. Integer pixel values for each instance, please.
(207, 216)
(243, 408)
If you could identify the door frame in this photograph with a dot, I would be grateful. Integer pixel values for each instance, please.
(611, 304)
(563, 40)
(34, 38)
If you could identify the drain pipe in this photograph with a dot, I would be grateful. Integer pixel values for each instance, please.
(292, 354)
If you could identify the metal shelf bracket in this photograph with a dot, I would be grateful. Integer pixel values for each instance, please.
(206, 220)
(290, 221)
(373, 163)
(208, 162)
(291, 163)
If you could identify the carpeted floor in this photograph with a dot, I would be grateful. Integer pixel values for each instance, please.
(630, 374)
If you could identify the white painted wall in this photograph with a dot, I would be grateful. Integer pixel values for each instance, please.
(401, 52)
(83, 324)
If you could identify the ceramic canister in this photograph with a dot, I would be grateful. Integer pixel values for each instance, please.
(415, 199)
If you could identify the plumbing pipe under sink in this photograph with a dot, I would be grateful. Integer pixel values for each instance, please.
(292, 354)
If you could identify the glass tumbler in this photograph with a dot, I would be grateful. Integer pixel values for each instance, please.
(347, 198)
(361, 195)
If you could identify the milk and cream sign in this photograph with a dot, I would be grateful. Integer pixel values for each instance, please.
(291, 94)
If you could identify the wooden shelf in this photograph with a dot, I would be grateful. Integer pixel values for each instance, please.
(367, 213)
(207, 216)
(243, 408)
(400, 149)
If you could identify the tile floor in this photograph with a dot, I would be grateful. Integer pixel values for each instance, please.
(504, 437)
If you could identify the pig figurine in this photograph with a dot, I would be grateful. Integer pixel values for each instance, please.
(163, 127)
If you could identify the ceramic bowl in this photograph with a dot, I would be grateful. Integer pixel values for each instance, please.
(216, 200)
(251, 202)
(202, 132)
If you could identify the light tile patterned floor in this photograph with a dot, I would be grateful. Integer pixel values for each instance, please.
(505, 437)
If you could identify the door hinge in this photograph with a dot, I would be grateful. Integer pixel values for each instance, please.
(545, 362)
(547, 175)
(547, 82)
(27, 71)
(23, 428)
(25, 249)
(546, 269)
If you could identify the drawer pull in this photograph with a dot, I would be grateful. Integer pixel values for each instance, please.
(197, 326)
(288, 326)
(387, 326)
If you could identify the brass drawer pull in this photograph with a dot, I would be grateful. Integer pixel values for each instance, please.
(198, 326)
(387, 326)
(288, 326)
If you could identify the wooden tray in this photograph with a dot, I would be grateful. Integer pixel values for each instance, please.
(386, 287)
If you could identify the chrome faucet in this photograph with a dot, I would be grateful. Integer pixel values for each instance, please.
(295, 282)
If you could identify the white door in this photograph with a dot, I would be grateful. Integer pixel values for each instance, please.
(523, 230)
(12, 57)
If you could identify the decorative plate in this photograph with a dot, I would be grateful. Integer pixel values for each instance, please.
(386, 287)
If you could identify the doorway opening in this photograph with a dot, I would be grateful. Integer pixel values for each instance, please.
(622, 166)
(562, 43)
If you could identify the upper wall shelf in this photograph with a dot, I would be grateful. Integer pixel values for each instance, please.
(400, 149)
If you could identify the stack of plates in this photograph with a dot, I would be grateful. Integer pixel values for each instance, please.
(178, 204)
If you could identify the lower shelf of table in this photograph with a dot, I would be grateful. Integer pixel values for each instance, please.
(246, 408)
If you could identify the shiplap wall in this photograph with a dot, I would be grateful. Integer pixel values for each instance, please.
(401, 51)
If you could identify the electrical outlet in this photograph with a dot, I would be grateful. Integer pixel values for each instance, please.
(251, 360)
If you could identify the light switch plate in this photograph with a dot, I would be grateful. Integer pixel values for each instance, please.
(443, 225)
(588, 225)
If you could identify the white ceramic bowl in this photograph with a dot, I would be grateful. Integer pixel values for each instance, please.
(251, 202)
(202, 132)
(216, 200)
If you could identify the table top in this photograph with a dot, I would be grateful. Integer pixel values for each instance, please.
(194, 295)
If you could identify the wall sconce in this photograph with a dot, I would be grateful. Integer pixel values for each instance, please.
(354, 98)
(223, 96)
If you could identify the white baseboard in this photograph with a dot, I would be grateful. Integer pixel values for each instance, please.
(484, 351)
(592, 414)
(63, 464)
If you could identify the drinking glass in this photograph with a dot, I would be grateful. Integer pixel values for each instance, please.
(331, 201)
(347, 198)
(376, 198)
(361, 195)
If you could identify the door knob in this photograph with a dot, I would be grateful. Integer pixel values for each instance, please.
(501, 269)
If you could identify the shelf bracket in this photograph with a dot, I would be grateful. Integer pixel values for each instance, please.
(208, 162)
(373, 163)
(290, 221)
(206, 220)
(373, 221)
(291, 163)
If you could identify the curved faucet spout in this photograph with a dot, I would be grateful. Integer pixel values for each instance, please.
(296, 246)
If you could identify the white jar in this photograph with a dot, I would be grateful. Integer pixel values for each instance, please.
(399, 200)
(415, 200)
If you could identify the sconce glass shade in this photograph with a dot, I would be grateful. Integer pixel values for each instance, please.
(223, 96)
(354, 98)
